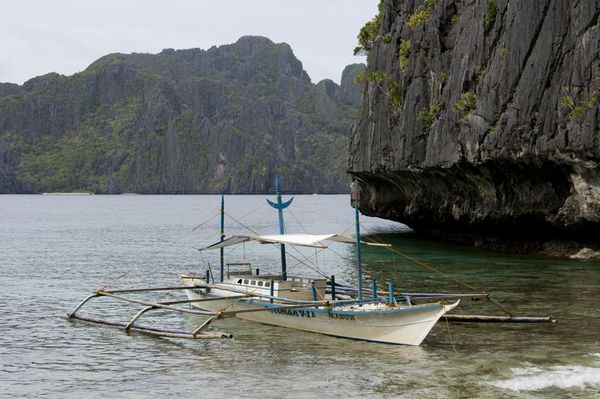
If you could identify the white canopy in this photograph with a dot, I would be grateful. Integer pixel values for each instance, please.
(303, 240)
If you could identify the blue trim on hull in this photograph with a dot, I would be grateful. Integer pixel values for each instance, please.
(318, 310)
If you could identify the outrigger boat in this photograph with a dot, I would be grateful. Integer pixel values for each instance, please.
(313, 304)
(304, 303)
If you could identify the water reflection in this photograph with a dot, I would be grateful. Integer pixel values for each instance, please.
(55, 250)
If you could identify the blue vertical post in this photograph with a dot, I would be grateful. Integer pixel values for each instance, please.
(314, 291)
(280, 206)
(281, 228)
(222, 236)
(272, 289)
(332, 287)
(358, 254)
(374, 289)
(391, 293)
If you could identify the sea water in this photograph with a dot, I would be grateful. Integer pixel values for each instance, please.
(55, 250)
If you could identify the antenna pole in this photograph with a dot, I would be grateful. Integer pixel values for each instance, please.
(280, 206)
(222, 236)
(358, 254)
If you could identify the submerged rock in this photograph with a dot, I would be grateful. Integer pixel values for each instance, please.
(586, 253)
(480, 121)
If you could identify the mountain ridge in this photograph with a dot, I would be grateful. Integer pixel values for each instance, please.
(225, 119)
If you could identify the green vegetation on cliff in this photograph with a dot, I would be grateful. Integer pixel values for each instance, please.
(225, 119)
(368, 33)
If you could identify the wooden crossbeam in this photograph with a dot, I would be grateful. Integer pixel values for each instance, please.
(149, 289)
(155, 304)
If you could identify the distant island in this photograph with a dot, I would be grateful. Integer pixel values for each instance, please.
(226, 119)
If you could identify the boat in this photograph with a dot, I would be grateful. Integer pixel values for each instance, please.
(305, 303)
(316, 304)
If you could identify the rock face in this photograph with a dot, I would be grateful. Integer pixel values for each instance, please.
(225, 119)
(480, 121)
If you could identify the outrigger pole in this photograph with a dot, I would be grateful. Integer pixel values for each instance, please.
(280, 206)
(199, 332)
(222, 235)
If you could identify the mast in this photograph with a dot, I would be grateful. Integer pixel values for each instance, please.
(280, 206)
(222, 235)
(358, 254)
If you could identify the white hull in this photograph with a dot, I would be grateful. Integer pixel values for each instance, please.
(408, 325)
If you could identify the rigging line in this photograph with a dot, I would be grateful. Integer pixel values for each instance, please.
(173, 242)
(300, 262)
(316, 252)
(275, 245)
(206, 221)
(210, 238)
(118, 278)
(252, 211)
(241, 223)
(450, 335)
(297, 221)
(319, 251)
(188, 233)
(375, 239)
(423, 264)
(338, 254)
(263, 219)
(301, 254)
(255, 232)
(305, 264)
(307, 258)
(114, 280)
(164, 242)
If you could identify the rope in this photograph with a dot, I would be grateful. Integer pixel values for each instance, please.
(252, 211)
(297, 221)
(114, 280)
(206, 221)
(375, 239)
(241, 223)
(301, 262)
(423, 264)
(450, 335)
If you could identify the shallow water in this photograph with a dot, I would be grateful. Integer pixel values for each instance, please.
(58, 249)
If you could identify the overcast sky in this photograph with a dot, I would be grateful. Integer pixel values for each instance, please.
(65, 36)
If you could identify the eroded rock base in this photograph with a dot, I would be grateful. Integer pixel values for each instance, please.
(527, 206)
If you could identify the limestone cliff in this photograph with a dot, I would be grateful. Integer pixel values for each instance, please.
(480, 120)
(226, 119)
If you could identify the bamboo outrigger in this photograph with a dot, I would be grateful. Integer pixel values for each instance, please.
(198, 333)
(312, 304)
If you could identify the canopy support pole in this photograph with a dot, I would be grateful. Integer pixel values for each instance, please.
(358, 254)
(281, 229)
(332, 287)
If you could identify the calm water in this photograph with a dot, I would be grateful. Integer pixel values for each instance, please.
(56, 249)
